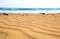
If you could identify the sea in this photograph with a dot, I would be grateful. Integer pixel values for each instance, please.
(30, 10)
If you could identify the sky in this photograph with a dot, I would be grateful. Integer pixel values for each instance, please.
(30, 3)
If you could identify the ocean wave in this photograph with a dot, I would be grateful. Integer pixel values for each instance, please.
(27, 9)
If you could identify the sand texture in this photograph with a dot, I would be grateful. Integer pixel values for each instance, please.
(30, 26)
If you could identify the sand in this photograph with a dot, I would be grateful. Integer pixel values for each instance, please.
(30, 26)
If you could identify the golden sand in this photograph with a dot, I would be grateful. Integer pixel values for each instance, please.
(30, 26)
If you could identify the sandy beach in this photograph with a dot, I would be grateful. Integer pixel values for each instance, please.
(29, 26)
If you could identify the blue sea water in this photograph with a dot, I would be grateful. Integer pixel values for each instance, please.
(29, 9)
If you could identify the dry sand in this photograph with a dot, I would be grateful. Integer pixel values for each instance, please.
(30, 26)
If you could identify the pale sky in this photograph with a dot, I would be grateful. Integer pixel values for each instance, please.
(30, 3)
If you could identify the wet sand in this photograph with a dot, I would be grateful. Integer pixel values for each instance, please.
(30, 26)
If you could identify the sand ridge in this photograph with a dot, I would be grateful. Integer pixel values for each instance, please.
(30, 26)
